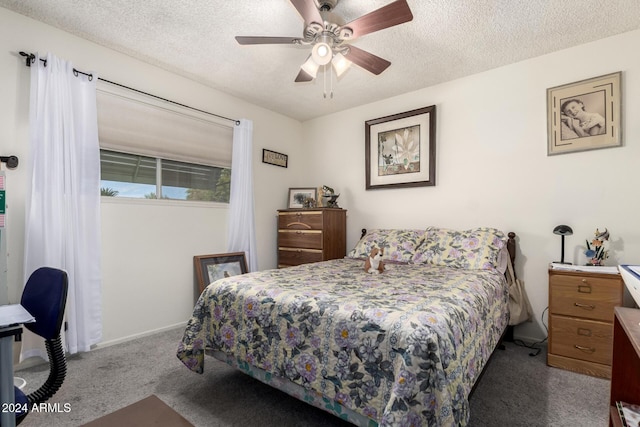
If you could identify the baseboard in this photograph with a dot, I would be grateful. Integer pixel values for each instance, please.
(138, 335)
(35, 361)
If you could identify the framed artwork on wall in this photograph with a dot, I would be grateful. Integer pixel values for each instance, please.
(210, 268)
(274, 158)
(400, 150)
(584, 115)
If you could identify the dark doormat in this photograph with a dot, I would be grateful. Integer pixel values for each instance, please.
(147, 412)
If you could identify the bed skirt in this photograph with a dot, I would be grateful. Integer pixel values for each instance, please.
(283, 384)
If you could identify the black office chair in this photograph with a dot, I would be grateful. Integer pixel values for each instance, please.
(45, 297)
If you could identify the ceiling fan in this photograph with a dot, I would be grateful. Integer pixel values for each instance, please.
(329, 36)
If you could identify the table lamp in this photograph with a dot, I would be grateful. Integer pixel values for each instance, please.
(563, 230)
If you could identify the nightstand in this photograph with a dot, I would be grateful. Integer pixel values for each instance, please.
(311, 235)
(581, 312)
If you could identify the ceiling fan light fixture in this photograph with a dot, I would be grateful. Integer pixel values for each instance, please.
(310, 67)
(321, 53)
(340, 64)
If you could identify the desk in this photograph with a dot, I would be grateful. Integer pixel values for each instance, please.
(12, 316)
(7, 396)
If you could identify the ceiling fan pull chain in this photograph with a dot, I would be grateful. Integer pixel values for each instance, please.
(324, 81)
(331, 81)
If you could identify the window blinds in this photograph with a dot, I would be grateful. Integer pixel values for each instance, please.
(139, 124)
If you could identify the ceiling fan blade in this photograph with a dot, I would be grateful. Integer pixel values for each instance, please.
(303, 77)
(267, 40)
(387, 16)
(370, 62)
(308, 10)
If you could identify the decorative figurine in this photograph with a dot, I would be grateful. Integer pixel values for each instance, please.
(329, 193)
(309, 202)
(596, 251)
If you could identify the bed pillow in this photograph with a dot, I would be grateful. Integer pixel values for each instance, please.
(399, 245)
(475, 249)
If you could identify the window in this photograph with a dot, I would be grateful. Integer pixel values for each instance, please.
(134, 176)
(180, 153)
(185, 181)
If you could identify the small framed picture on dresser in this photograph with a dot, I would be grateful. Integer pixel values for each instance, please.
(302, 197)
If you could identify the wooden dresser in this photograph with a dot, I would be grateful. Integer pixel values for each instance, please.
(311, 235)
(581, 311)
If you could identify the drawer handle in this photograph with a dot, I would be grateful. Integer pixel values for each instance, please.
(585, 306)
(586, 288)
(584, 332)
(302, 224)
(586, 349)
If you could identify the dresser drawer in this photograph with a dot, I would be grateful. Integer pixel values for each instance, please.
(581, 339)
(300, 220)
(584, 296)
(293, 256)
(311, 235)
(311, 239)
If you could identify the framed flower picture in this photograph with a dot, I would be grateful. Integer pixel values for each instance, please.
(400, 150)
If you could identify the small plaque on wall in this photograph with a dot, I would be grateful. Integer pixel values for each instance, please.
(273, 158)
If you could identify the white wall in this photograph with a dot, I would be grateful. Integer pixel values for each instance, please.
(492, 164)
(148, 246)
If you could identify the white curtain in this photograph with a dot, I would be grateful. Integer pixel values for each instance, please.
(63, 200)
(242, 226)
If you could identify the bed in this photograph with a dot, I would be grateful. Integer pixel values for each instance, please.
(404, 347)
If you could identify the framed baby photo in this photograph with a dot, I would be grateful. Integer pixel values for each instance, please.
(585, 115)
(210, 268)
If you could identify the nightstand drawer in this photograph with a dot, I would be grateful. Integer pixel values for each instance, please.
(584, 296)
(294, 256)
(311, 239)
(581, 339)
(300, 220)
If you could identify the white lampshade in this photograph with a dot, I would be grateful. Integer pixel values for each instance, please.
(321, 53)
(340, 63)
(310, 67)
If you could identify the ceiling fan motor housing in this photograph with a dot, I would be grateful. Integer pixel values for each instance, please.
(326, 5)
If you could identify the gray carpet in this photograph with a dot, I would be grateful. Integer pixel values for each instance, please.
(516, 390)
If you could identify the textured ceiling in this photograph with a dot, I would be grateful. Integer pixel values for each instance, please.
(447, 39)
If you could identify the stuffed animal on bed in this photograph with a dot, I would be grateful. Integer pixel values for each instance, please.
(374, 263)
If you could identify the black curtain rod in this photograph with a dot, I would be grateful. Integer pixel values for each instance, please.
(30, 57)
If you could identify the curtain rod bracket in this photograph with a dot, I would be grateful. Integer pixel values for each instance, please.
(29, 57)
(11, 161)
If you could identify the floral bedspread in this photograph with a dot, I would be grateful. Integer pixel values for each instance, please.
(402, 348)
